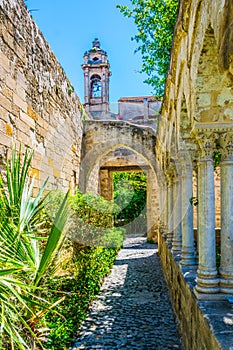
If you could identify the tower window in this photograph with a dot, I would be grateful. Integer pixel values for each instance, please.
(96, 86)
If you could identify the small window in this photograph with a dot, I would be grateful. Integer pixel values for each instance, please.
(96, 86)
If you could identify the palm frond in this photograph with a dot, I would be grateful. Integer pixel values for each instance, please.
(54, 240)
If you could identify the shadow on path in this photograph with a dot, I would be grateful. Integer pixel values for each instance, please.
(133, 310)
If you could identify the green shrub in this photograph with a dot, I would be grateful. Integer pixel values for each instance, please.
(86, 272)
(95, 243)
(45, 285)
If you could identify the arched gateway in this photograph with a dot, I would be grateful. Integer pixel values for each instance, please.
(101, 137)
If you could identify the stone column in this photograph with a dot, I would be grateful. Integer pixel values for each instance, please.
(103, 81)
(188, 251)
(207, 281)
(170, 207)
(152, 205)
(177, 215)
(226, 164)
(106, 184)
(86, 86)
(163, 206)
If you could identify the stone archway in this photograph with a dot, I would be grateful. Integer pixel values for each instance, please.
(102, 137)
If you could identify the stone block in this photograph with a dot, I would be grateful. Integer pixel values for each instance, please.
(4, 61)
(51, 162)
(5, 102)
(34, 173)
(23, 138)
(31, 113)
(15, 110)
(21, 80)
(6, 140)
(10, 82)
(27, 120)
(7, 93)
(20, 102)
(4, 114)
(9, 129)
(20, 91)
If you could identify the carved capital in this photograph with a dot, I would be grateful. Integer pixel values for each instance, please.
(226, 144)
(207, 144)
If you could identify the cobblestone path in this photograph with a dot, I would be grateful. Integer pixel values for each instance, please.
(132, 310)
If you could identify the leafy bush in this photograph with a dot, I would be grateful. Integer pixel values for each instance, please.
(92, 220)
(94, 209)
(45, 289)
(95, 243)
(78, 289)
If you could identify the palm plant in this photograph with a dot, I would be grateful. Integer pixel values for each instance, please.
(23, 264)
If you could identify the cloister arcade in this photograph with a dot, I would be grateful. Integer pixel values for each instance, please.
(195, 135)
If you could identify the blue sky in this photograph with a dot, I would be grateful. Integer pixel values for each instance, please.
(71, 26)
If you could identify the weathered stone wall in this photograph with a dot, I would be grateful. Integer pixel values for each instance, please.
(93, 184)
(38, 107)
(142, 107)
(204, 325)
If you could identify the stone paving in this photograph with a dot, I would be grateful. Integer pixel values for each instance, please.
(133, 309)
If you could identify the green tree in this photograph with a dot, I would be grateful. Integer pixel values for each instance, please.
(155, 21)
(130, 196)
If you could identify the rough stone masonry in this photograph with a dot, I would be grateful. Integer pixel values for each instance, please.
(38, 107)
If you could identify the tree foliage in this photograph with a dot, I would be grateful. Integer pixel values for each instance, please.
(155, 22)
(130, 196)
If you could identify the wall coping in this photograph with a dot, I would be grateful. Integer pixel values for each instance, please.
(217, 310)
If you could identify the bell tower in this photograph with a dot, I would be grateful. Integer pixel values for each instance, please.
(96, 70)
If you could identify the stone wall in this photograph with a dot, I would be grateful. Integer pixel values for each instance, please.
(94, 179)
(38, 107)
(136, 109)
(204, 325)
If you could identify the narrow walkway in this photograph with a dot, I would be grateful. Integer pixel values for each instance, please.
(132, 310)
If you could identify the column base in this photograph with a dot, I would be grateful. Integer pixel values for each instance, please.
(188, 257)
(214, 296)
(169, 236)
(207, 285)
(176, 246)
(226, 285)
